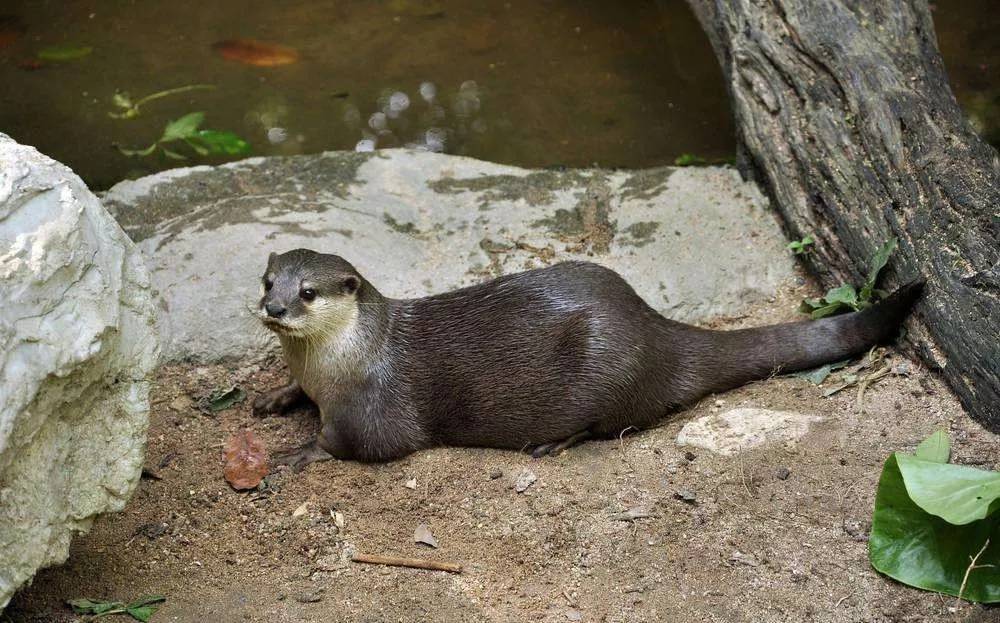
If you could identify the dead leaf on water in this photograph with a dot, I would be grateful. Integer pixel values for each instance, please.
(246, 461)
(257, 53)
(11, 29)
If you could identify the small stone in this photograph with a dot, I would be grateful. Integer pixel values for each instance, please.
(495, 473)
(855, 530)
(423, 535)
(338, 519)
(181, 403)
(310, 598)
(411, 483)
(686, 496)
(301, 510)
(574, 615)
(525, 480)
(690, 456)
(782, 473)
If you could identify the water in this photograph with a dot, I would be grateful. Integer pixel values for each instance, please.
(532, 83)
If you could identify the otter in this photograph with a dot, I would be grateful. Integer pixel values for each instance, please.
(543, 358)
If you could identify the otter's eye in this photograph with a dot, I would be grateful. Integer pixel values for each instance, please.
(308, 294)
(268, 284)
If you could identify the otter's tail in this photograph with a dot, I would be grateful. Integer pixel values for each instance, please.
(728, 359)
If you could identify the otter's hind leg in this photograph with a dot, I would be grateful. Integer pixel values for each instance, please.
(298, 458)
(556, 447)
(279, 400)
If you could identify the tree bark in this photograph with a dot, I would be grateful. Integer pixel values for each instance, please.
(844, 115)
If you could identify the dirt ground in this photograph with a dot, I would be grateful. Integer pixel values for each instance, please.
(746, 545)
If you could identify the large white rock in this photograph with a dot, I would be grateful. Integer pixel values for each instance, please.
(77, 346)
(695, 243)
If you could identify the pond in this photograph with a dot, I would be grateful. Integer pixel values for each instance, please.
(530, 83)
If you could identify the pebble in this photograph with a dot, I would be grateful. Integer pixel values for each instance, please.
(525, 480)
(309, 598)
(686, 496)
(495, 473)
(782, 473)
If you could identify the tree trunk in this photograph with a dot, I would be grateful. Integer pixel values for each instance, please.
(845, 116)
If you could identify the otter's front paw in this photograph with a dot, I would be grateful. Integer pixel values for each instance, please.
(278, 400)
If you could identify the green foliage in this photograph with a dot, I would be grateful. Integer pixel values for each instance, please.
(846, 297)
(202, 142)
(140, 610)
(935, 525)
(225, 399)
(689, 160)
(816, 376)
(798, 247)
(62, 53)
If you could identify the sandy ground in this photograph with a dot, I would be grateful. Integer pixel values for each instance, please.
(749, 546)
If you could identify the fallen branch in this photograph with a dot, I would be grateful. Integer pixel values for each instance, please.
(415, 563)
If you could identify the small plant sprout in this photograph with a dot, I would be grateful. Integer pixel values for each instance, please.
(203, 142)
(129, 108)
(846, 297)
(798, 247)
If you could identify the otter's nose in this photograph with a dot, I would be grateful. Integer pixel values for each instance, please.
(274, 310)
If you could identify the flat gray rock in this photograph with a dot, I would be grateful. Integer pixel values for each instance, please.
(694, 242)
(737, 430)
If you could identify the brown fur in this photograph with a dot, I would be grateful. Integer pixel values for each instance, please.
(523, 360)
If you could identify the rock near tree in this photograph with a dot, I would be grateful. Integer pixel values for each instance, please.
(77, 346)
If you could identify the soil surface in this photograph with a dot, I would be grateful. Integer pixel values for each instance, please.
(777, 533)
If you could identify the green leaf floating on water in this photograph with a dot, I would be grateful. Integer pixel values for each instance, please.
(216, 142)
(61, 53)
(182, 128)
(203, 142)
(932, 519)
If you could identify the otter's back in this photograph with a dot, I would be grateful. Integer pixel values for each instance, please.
(524, 358)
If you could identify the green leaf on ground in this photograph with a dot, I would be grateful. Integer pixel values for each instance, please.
(62, 53)
(222, 400)
(956, 493)
(846, 297)
(935, 448)
(820, 374)
(933, 519)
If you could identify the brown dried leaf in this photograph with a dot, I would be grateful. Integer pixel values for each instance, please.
(246, 460)
(257, 53)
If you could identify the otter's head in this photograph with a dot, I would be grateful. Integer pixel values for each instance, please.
(308, 294)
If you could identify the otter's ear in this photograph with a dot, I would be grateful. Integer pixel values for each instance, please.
(350, 285)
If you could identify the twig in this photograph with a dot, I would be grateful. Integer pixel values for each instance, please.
(842, 600)
(415, 563)
(621, 445)
(968, 570)
(743, 475)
